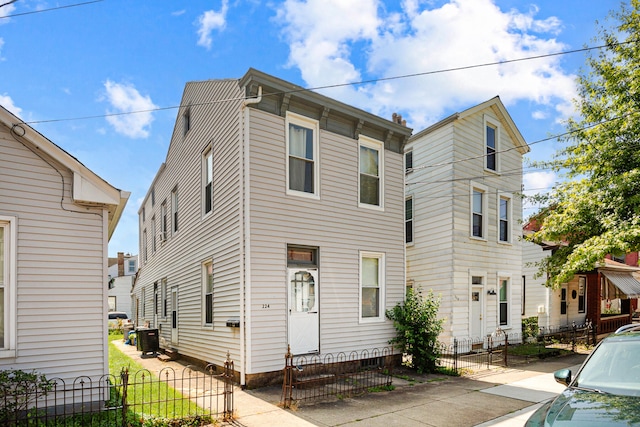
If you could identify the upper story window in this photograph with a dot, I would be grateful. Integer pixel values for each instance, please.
(302, 156)
(371, 180)
(186, 121)
(372, 286)
(163, 297)
(163, 221)
(144, 244)
(153, 197)
(174, 209)
(408, 161)
(478, 211)
(504, 219)
(143, 214)
(7, 286)
(153, 236)
(408, 219)
(492, 143)
(132, 266)
(207, 182)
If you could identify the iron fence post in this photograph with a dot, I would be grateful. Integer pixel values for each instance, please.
(504, 351)
(124, 380)
(287, 383)
(228, 388)
(455, 355)
(573, 336)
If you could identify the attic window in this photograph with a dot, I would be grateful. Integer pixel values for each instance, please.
(186, 121)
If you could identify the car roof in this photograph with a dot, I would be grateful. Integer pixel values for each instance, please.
(628, 332)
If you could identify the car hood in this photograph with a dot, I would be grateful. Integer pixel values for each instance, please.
(588, 409)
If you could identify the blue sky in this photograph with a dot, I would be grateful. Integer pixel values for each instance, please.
(66, 60)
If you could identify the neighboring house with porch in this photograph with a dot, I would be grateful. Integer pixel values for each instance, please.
(122, 270)
(53, 209)
(276, 220)
(606, 297)
(463, 214)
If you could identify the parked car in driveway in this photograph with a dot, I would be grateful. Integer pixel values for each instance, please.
(118, 320)
(604, 392)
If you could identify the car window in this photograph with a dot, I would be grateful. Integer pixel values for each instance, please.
(614, 367)
(118, 316)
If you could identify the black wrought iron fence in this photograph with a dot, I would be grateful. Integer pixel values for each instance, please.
(317, 377)
(117, 400)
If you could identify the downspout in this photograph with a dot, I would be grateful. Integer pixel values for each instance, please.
(245, 264)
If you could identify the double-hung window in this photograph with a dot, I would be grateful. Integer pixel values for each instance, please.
(371, 180)
(302, 156)
(7, 286)
(207, 290)
(174, 209)
(207, 187)
(408, 219)
(153, 236)
(372, 286)
(492, 143)
(478, 211)
(144, 244)
(163, 297)
(408, 161)
(504, 300)
(163, 221)
(504, 219)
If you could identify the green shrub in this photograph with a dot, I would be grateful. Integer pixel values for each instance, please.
(18, 389)
(417, 329)
(530, 327)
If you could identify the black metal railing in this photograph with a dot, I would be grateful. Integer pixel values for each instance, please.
(116, 400)
(315, 377)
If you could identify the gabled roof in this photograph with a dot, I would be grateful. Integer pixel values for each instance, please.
(499, 109)
(88, 189)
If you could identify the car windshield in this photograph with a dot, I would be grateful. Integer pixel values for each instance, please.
(614, 367)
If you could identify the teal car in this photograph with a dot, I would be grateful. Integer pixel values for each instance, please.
(604, 392)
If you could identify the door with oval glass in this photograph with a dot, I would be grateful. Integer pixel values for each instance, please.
(304, 326)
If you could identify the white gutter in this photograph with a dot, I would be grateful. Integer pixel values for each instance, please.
(245, 242)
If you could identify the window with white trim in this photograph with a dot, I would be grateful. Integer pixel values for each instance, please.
(207, 187)
(503, 302)
(163, 297)
(492, 143)
(132, 265)
(303, 165)
(186, 121)
(372, 286)
(371, 166)
(144, 244)
(408, 161)
(504, 219)
(153, 236)
(163, 221)
(7, 286)
(408, 219)
(207, 291)
(174, 209)
(143, 298)
(582, 294)
(478, 211)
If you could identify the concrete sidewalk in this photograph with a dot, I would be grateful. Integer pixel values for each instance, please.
(501, 397)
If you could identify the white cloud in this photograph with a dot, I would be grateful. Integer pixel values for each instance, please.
(7, 102)
(179, 12)
(6, 11)
(209, 21)
(334, 41)
(124, 98)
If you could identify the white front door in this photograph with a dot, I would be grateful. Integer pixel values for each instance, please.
(174, 316)
(304, 325)
(475, 319)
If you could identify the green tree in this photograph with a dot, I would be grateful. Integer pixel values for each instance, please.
(417, 327)
(597, 210)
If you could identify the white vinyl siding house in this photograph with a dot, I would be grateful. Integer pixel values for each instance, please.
(43, 300)
(463, 248)
(277, 262)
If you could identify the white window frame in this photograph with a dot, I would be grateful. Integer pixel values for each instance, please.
(364, 141)
(207, 180)
(509, 219)
(308, 123)
(144, 245)
(409, 220)
(163, 221)
(186, 121)
(473, 187)
(9, 225)
(164, 308)
(381, 286)
(131, 265)
(205, 267)
(174, 211)
(504, 276)
(495, 124)
(144, 303)
(408, 168)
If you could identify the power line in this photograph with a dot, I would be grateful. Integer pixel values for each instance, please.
(331, 86)
(46, 10)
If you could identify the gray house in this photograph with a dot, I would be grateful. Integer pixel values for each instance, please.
(276, 220)
(53, 209)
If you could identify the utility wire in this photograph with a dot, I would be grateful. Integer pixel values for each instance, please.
(8, 3)
(46, 10)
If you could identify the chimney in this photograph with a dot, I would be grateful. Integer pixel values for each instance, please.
(120, 264)
(397, 118)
